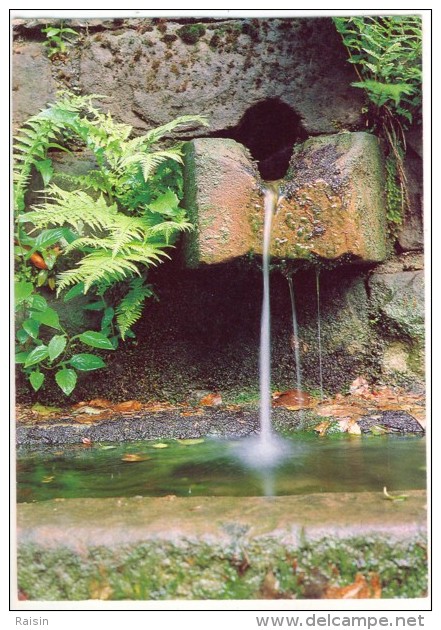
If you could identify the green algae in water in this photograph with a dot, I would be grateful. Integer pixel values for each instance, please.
(213, 468)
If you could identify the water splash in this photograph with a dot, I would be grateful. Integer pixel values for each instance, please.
(296, 339)
(319, 334)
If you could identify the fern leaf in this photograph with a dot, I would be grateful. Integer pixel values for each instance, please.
(73, 208)
(130, 308)
(149, 162)
(189, 121)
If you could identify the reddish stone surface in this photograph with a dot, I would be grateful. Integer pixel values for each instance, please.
(331, 201)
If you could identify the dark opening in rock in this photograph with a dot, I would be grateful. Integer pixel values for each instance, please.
(269, 130)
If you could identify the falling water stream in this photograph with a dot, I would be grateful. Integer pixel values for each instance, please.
(270, 206)
(296, 339)
(319, 335)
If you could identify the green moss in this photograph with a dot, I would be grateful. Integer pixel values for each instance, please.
(237, 570)
(191, 33)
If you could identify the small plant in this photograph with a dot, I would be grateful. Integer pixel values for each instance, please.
(191, 33)
(387, 56)
(58, 39)
(99, 238)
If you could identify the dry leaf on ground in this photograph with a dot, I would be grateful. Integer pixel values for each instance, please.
(211, 400)
(360, 589)
(128, 405)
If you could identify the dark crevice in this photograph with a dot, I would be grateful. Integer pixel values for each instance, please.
(269, 130)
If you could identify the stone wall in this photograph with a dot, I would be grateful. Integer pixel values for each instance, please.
(204, 331)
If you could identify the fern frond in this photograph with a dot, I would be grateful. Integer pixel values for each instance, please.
(130, 308)
(103, 265)
(149, 162)
(169, 229)
(73, 208)
(189, 121)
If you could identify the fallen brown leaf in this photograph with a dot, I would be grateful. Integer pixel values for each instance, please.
(293, 400)
(100, 402)
(360, 589)
(128, 405)
(340, 411)
(211, 400)
(270, 587)
(359, 386)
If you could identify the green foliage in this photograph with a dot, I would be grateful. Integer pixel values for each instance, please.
(98, 238)
(387, 55)
(387, 52)
(58, 39)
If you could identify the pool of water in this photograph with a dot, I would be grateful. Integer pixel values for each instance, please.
(217, 468)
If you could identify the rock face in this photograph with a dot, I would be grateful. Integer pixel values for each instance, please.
(32, 83)
(222, 190)
(154, 71)
(397, 301)
(332, 203)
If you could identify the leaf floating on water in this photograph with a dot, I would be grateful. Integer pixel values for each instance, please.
(160, 445)
(396, 497)
(106, 447)
(377, 429)
(134, 457)
(128, 405)
(48, 479)
(322, 428)
(191, 441)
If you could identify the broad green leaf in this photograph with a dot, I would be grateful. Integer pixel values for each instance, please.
(165, 204)
(96, 340)
(31, 326)
(95, 306)
(36, 379)
(44, 167)
(22, 291)
(46, 238)
(37, 355)
(42, 277)
(86, 362)
(76, 290)
(21, 357)
(49, 317)
(38, 303)
(107, 317)
(50, 31)
(56, 346)
(22, 335)
(66, 380)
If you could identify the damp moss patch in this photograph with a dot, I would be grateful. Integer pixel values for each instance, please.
(257, 569)
(221, 548)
